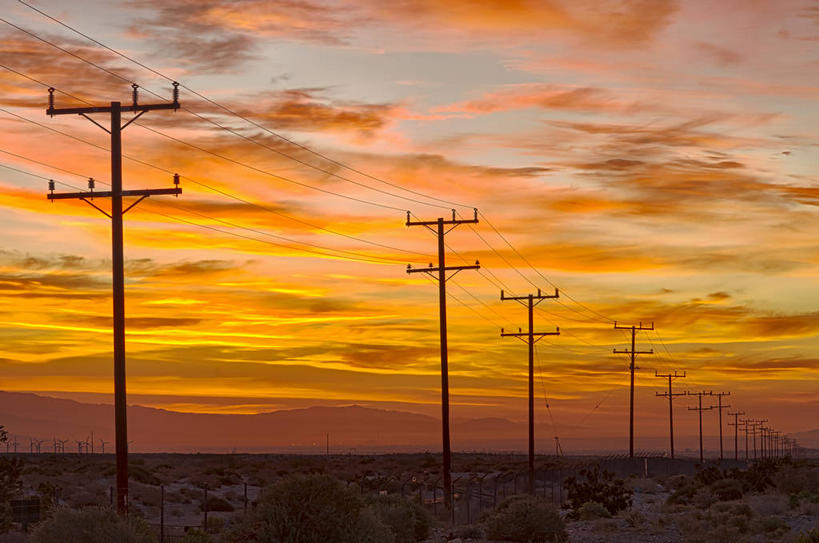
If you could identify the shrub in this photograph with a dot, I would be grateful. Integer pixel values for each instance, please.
(727, 489)
(634, 519)
(703, 498)
(408, 521)
(592, 511)
(808, 537)
(597, 486)
(215, 503)
(527, 519)
(195, 536)
(91, 525)
(10, 471)
(310, 509)
(470, 531)
(796, 479)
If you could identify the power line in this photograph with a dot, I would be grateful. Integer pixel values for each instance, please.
(249, 121)
(224, 193)
(298, 145)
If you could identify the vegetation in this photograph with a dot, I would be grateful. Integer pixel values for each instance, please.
(527, 519)
(10, 472)
(408, 521)
(597, 486)
(311, 509)
(91, 525)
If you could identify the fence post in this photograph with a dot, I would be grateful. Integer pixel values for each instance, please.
(111, 496)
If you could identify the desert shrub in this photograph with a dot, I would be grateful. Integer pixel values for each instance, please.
(727, 489)
(676, 481)
(709, 475)
(596, 486)
(808, 537)
(525, 518)
(91, 525)
(794, 479)
(604, 525)
(470, 531)
(634, 519)
(215, 503)
(10, 471)
(703, 498)
(408, 521)
(771, 526)
(592, 511)
(196, 536)
(310, 509)
(722, 522)
(768, 504)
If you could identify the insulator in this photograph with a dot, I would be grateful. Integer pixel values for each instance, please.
(91, 183)
(453, 214)
(135, 87)
(176, 179)
(51, 98)
(51, 185)
(175, 92)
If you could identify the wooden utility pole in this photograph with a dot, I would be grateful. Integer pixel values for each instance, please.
(116, 194)
(438, 228)
(736, 424)
(700, 408)
(720, 407)
(530, 302)
(632, 352)
(670, 395)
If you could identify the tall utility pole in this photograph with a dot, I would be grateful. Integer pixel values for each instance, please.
(530, 302)
(438, 228)
(736, 424)
(115, 111)
(632, 352)
(670, 395)
(720, 407)
(700, 408)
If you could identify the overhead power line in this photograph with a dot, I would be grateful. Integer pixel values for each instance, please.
(287, 140)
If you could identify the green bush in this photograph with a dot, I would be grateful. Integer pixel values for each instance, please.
(527, 519)
(91, 525)
(310, 509)
(408, 521)
(596, 486)
(592, 511)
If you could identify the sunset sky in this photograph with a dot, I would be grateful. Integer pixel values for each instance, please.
(655, 160)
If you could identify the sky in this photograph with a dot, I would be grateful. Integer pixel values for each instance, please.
(654, 160)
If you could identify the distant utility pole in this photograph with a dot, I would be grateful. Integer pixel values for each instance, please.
(670, 395)
(115, 110)
(531, 301)
(756, 425)
(438, 228)
(700, 408)
(720, 407)
(632, 352)
(736, 424)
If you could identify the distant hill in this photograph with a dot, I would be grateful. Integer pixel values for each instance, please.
(351, 428)
(304, 430)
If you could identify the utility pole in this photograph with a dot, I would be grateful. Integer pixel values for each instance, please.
(756, 426)
(700, 408)
(531, 301)
(632, 352)
(736, 424)
(438, 228)
(670, 395)
(720, 407)
(115, 111)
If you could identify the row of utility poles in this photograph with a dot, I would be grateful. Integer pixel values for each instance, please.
(440, 273)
